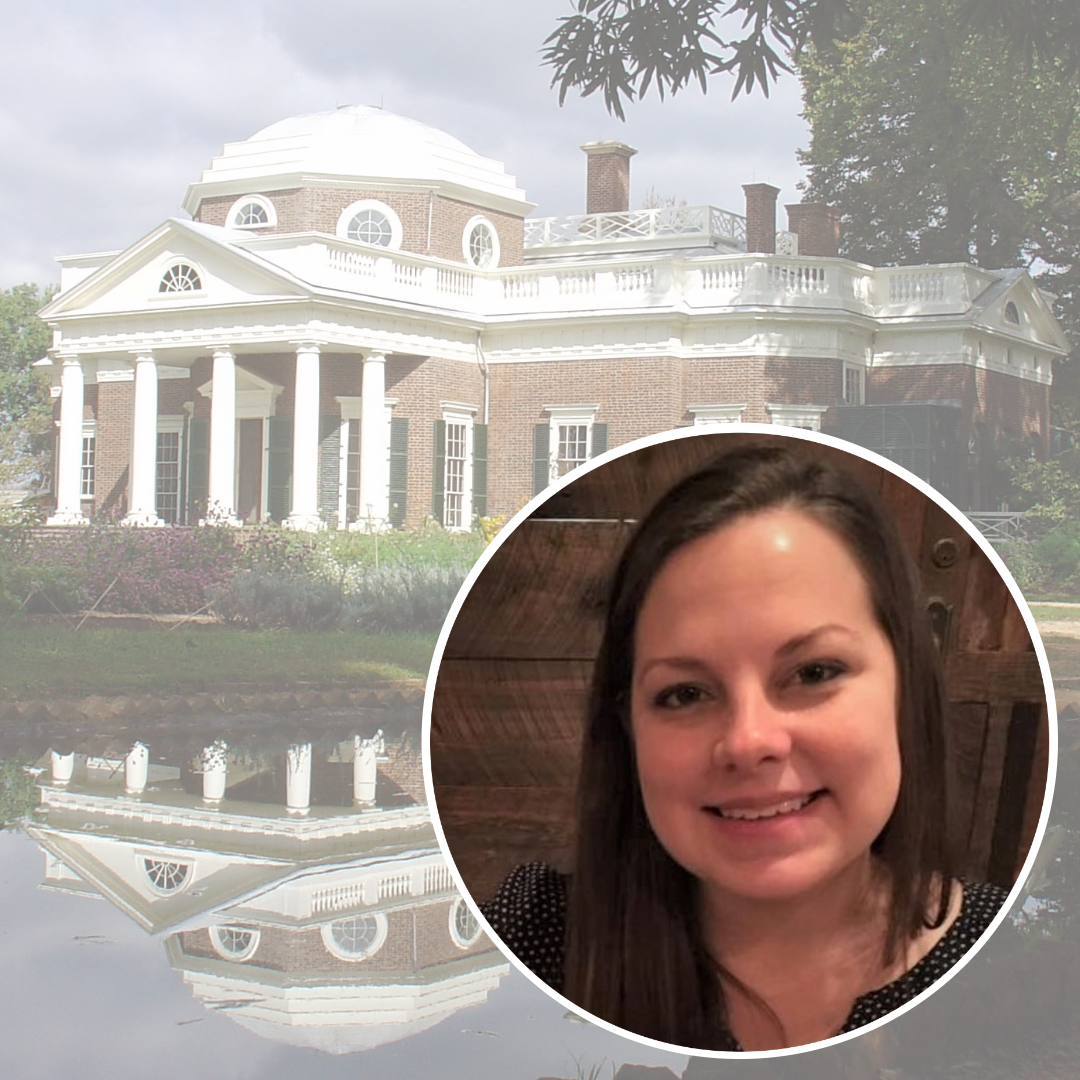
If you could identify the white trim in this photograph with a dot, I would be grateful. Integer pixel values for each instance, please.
(807, 417)
(335, 949)
(455, 937)
(244, 200)
(568, 416)
(466, 237)
(347, 215)
(460, 415)
(860, 371)
(89, 431)
(170, 262)
(227, 954)
(712, 415)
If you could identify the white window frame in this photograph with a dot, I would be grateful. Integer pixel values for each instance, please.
(461, 415)
(171, 294)
(466, 238)
(460, 940)
(218, 939)
(716, 415)
(568, 416)
(259, 200)
(807, 417)
(396, 230)
(89, 431)
(333, 946)
(170, 425)
(860, 373)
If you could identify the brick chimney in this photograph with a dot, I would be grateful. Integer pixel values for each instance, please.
(761, 218)
(817, 226)
(608, 187)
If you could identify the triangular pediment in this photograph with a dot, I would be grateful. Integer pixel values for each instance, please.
(179, 266)
(1015, 306)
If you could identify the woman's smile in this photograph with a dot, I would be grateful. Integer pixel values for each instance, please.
(764, 709)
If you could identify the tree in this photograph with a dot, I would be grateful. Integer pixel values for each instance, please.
(938, 150)
(25, 407)
(624, 47)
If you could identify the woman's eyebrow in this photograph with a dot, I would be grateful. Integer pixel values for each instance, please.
(800, 640)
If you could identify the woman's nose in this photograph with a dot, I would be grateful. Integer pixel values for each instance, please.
(754, 732)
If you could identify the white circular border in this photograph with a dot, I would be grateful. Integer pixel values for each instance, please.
(396, 230)
(466, 236)
(259, 200)
(377, 942)
(822, 440)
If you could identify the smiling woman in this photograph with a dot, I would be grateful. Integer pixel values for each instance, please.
(761, 855)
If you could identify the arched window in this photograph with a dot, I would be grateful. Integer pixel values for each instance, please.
(371, 222)
(180, 277)
(355, 938)
(1012, 314)
(251, 212)
(480, 244)
(166, 876)
(234, 942)
(464, 929)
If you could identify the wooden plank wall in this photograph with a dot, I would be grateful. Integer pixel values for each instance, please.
(509, 698)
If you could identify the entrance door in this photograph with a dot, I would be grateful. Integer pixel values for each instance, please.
(249, 471)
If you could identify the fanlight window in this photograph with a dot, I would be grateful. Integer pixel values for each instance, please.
(181, 277)
(234, 942)
(464, 928)
(1012, 314)
(250, 215)
(166, 876)
(481, 246)
(355, 938)
(370, 226)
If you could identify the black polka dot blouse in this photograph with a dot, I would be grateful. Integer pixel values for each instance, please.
(529, 914)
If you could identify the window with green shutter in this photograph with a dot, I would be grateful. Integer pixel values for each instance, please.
(399, 469)
(197, 478)
(479, 470)
(279, 467)
(541, 457)
(438, 472)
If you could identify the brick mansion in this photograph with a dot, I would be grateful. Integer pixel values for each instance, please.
(363, 325)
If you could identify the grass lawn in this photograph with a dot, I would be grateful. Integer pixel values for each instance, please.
(1055, 613)
(39, 661)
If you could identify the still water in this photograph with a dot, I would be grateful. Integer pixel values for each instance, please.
(255, 902)
(267, 899)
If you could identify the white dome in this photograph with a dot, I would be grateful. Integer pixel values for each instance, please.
(356, 143)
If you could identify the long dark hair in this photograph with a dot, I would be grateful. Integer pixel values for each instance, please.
(636, 954)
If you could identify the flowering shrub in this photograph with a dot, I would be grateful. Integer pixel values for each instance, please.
(123, 569)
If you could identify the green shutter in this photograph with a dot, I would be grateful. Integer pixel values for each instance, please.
(438, 472)
(329, 468)
(599, 439)
(479, 470)
(541, 457)
(279, 467)
(197, 479)
(399, 469)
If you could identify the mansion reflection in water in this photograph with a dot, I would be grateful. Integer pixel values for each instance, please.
(301, 892)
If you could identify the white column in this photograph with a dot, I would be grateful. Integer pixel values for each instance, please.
(304, 512)
(136, 769)
(215, 771)
(298, 778)
(142, 505)
(365, 770)
(63, 768)
(69, 458)
(374, 446)
(221, 507)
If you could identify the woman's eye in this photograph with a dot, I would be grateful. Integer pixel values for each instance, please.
(678, 697)
(817, 673)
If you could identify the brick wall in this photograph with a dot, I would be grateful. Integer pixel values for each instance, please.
(114, 405)
(318, 209)
(817, 226)
(303, 951)
(607, 186)
(761, 217)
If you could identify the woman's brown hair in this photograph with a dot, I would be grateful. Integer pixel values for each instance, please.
(635, 949)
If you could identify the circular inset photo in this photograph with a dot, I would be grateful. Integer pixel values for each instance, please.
(738, 742)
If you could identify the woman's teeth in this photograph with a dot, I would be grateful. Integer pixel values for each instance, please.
(788, 806)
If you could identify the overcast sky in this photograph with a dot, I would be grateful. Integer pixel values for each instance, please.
(110, 109)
